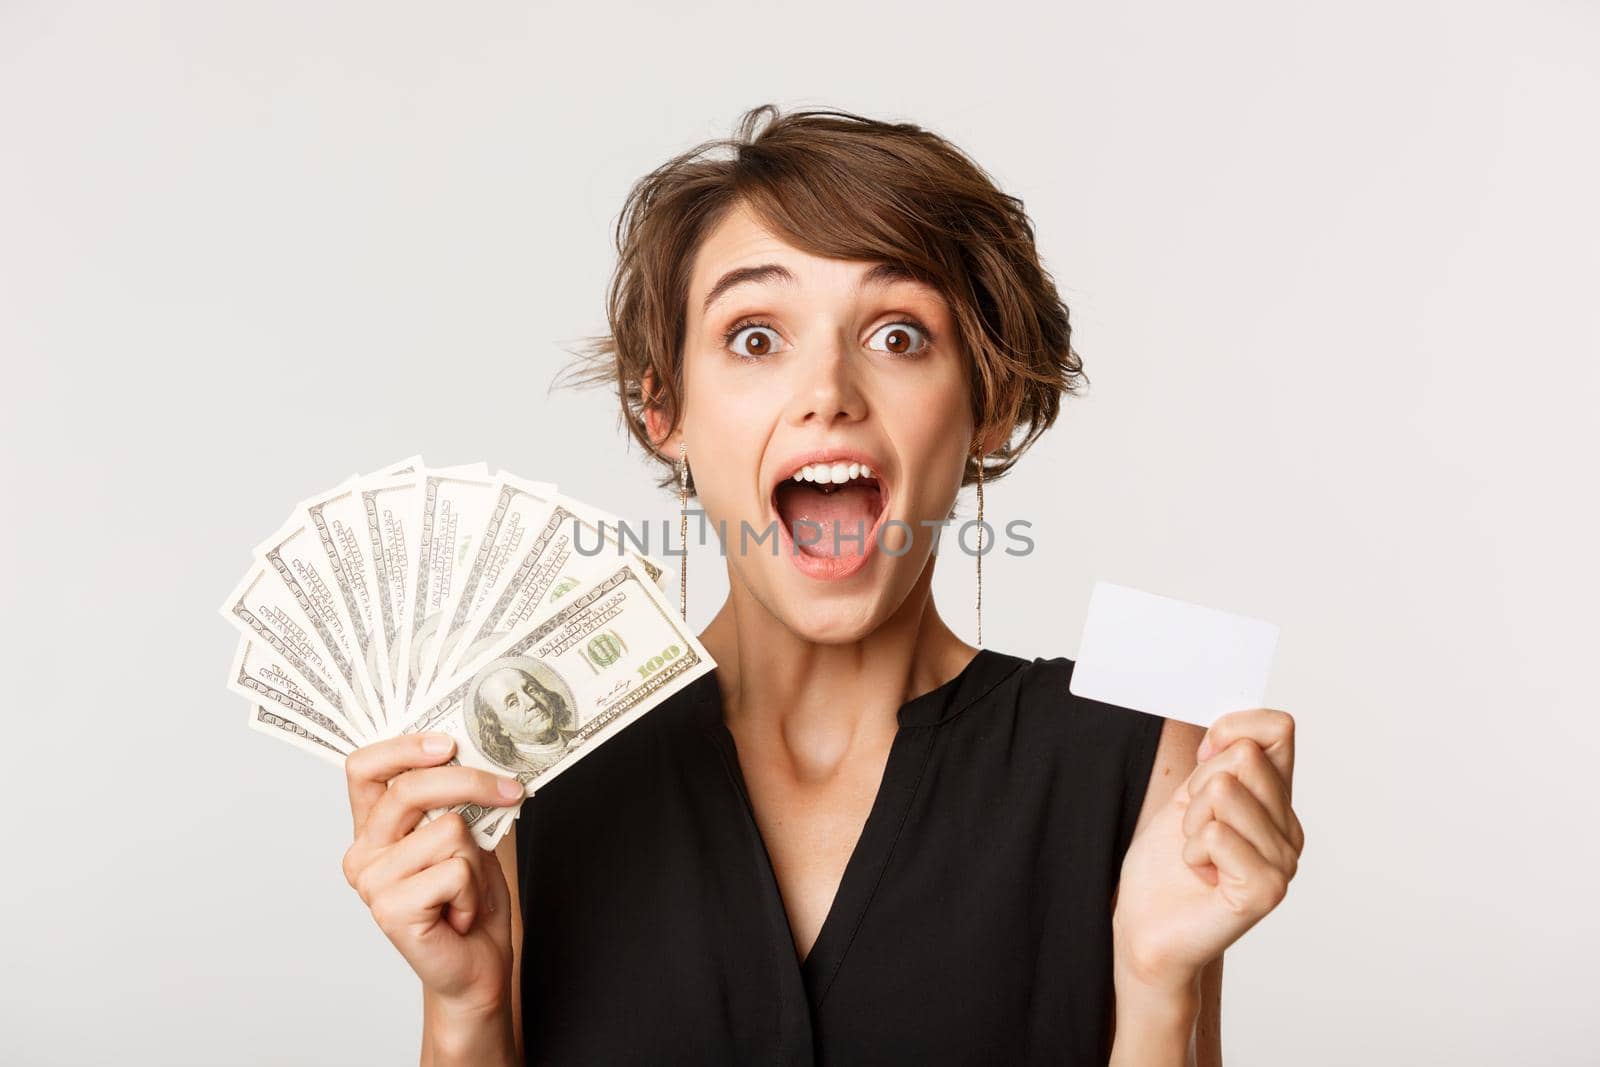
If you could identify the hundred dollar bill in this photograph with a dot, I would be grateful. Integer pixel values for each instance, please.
(340, 523)
(262, 609)
(389, 512)
(538, 546)
(616, 537)
(337, 519)
(549, 571)
(450, 517)
(564, 681)
(409, 465)
(276, 724)
(516, 509)
(260, 675)
(297, 556)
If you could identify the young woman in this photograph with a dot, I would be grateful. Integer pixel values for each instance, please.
(860, 838)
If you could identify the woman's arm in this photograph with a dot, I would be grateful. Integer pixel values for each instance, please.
(470, 1048)
(1214, 850)
(1164, 1028)
(439, 898)
(507, 853)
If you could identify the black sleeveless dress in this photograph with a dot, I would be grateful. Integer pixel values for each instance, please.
(971, 926)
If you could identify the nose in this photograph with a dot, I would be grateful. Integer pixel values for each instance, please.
(826, 389)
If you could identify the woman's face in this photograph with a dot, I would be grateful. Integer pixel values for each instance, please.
(811, 365)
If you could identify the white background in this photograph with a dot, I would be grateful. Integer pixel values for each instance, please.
(1334, 273)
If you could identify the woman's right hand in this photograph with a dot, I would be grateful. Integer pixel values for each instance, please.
(440, 898)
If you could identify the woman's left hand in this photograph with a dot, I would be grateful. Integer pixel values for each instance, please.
(1217, 856)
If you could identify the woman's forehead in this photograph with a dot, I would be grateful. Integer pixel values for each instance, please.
(739, 235)
(741, 251)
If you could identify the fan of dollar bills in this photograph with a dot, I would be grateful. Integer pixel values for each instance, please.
(488, 607)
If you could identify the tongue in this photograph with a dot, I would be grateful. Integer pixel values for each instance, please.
(853, 506)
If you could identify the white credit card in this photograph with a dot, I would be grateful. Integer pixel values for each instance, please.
(1171, 658)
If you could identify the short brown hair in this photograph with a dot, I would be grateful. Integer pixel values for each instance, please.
(840, 185)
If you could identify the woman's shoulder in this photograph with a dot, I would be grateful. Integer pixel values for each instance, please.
(1038, 690)
(1029, 703)
(1025, 732)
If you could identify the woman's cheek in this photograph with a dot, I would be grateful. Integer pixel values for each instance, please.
(718, 512)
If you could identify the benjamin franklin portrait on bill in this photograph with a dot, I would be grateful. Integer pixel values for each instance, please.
(519, 713)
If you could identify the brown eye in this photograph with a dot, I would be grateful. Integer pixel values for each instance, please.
(902, 339)
(751, 340)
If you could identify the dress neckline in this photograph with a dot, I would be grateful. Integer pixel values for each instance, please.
(902, 775)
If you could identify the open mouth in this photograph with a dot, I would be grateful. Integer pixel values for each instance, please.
(830, 510)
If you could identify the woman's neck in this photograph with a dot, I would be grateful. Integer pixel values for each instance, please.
(817, 699)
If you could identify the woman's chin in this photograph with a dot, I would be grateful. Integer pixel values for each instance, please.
(831, 616)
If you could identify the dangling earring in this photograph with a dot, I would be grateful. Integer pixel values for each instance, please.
(683, 528)
(979, 607)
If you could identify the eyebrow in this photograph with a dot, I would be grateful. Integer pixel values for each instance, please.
(878, 274)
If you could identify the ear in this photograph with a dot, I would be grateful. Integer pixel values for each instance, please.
(655, 420)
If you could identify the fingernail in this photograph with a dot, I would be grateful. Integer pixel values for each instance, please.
(1204, 752)
(436, 744)
(510, 788)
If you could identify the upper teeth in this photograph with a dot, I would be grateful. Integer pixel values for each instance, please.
(832, 473)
